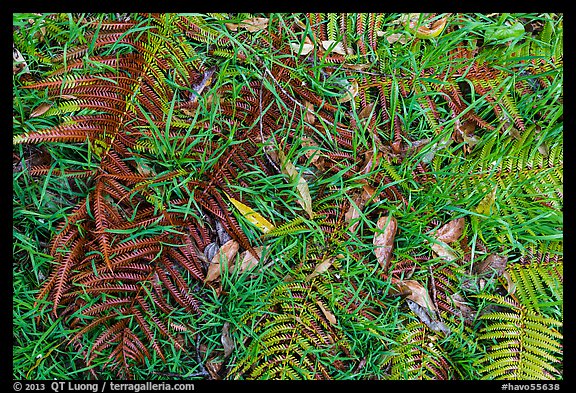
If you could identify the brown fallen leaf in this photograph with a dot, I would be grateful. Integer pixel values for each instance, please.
(428, 317)
(225, 254)
(309, 115)
(396, 37)
(366, 111)
(418, 293)
(226, 340)
(302, 49)
(384, 241)
(18, 62)
(451, 231)
(464, 309)
(248, 260)
(327, 313)
(40, 110)
(254, 24)
(494, 263)
(320, 268)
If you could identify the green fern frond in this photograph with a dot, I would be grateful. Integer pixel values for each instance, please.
(524, 342)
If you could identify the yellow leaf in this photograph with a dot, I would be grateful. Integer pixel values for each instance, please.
(254, 217)
(485, 205)
(424, 31)
(289, 169)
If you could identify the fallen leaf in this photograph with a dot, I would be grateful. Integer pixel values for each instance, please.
(428, 318)
(493, 263)
(18, 62)
(485, 205)
(253, 217)
(225, 254)
(451, 231)
(321, 268)
(254, 24)
(289, 169)
(366, 111)
(327, 313)
(351, 92)
(396, 37)
(465, 310)
(384, 241)
(424, 31)
(248, 260)
(226, 340)
(334, 46)
(40, 110)
(444, 252)
(510, 285)
(357, 67)
(231, 26)
(309, 115)
(543, 149)
(301, 50)
(418, 294)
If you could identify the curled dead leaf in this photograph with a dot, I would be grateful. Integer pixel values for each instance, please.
(426, 30)
(428, 317)
(309, 115)
(384, 241)
(248, 260)
(493, 263)
(396, 37)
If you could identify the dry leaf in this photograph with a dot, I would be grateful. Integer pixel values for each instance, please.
(226, 340)
(321, 268)
(40, 110)
(396, 37)
(451, 231)
(248, 260)
(337, 47)
(351, 92)
(327, 313)
(510, 285)
(309, 115)
(424, 31)
(366, 111)
(428, 318)
(357, 67)
(493, 263)
(225, 254)
(254, 217)
(254, 24)
(289, 169)
(444, 252)
(18, 62)
(301, 50)
(543, 149)
(384, 241)
(231, 26)
(465, 310)
(418, 294)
